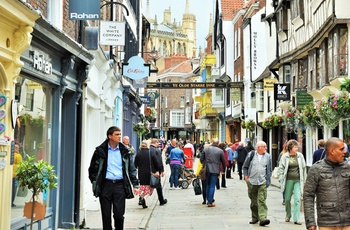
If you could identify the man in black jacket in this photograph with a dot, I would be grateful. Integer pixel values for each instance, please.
(241, 155)
(113, 175)
(154, 149)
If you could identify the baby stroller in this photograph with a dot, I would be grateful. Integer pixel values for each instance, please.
(186, 177)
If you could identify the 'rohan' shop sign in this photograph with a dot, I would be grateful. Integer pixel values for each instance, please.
(40, 64)
(84, 9)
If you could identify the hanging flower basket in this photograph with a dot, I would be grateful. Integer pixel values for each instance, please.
(140, 128)
(152, 117)
(311, 117)
(333, 108)
(249, 124)
(268, 123)
(272, 121)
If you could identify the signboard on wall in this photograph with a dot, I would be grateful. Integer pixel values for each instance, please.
(282, 92)
(112, 33)
(303, 98)
(84, 10)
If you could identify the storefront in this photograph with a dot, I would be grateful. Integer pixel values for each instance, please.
(16, 25)
(48, 95)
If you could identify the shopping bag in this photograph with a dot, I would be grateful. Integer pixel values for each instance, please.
(22, 192)
(197, 186)
(275, 173)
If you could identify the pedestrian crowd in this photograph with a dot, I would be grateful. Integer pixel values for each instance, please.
(118, 172)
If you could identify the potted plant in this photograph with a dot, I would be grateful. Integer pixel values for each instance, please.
(37, 176)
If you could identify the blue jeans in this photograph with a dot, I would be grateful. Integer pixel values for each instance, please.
(211, 182)
(174, 176)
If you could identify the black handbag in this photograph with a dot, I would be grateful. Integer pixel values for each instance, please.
(197, 186)
(154, 181)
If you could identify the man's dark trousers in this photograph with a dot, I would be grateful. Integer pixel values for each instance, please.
(112, 194)
(160, 194)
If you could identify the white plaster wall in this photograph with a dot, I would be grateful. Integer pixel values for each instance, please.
(263, 44)
(342, 9)
(98, 112)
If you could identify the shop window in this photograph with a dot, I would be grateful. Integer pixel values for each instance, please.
(330, 56)
(282, 23)
(302, 72)
(343, 52)
(222, 53)
(297, 12)
(182, 101)
(219, 95)
(32, 133)
(311, 81)
(237, 44)
(177, 119)
(321, 65)
(287, 73)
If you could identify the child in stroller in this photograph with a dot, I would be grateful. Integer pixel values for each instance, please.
(186, 176)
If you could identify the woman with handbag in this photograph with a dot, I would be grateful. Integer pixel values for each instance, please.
(292, 176)
(146, 163)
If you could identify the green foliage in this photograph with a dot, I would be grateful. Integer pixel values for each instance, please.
(37, 176)
(345, 85)
(249, 124)
(27, 119)
(333, 108)
(272, 121)
(139, 129)
(311, 117)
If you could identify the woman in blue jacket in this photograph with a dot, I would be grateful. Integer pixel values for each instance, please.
(177, 157)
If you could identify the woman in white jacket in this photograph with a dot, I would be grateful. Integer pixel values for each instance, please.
(292, 176)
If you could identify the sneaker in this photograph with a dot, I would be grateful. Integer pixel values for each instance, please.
(171, 188)
(264, 222)
(177, 188)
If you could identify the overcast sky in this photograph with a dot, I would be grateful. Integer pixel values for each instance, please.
(200, 8)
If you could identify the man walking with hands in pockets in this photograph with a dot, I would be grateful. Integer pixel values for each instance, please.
(257, 174)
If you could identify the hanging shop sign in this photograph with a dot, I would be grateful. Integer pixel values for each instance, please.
(136, 68)
(269, 83)
(84, 10)
(112, 33)
(282, 92)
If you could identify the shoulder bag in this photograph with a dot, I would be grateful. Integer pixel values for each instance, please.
(154, 181)
(203, 172)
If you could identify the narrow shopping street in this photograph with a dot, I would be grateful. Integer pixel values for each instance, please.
(184, 210)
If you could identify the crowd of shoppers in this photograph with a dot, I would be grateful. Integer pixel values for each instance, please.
(119, 172)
